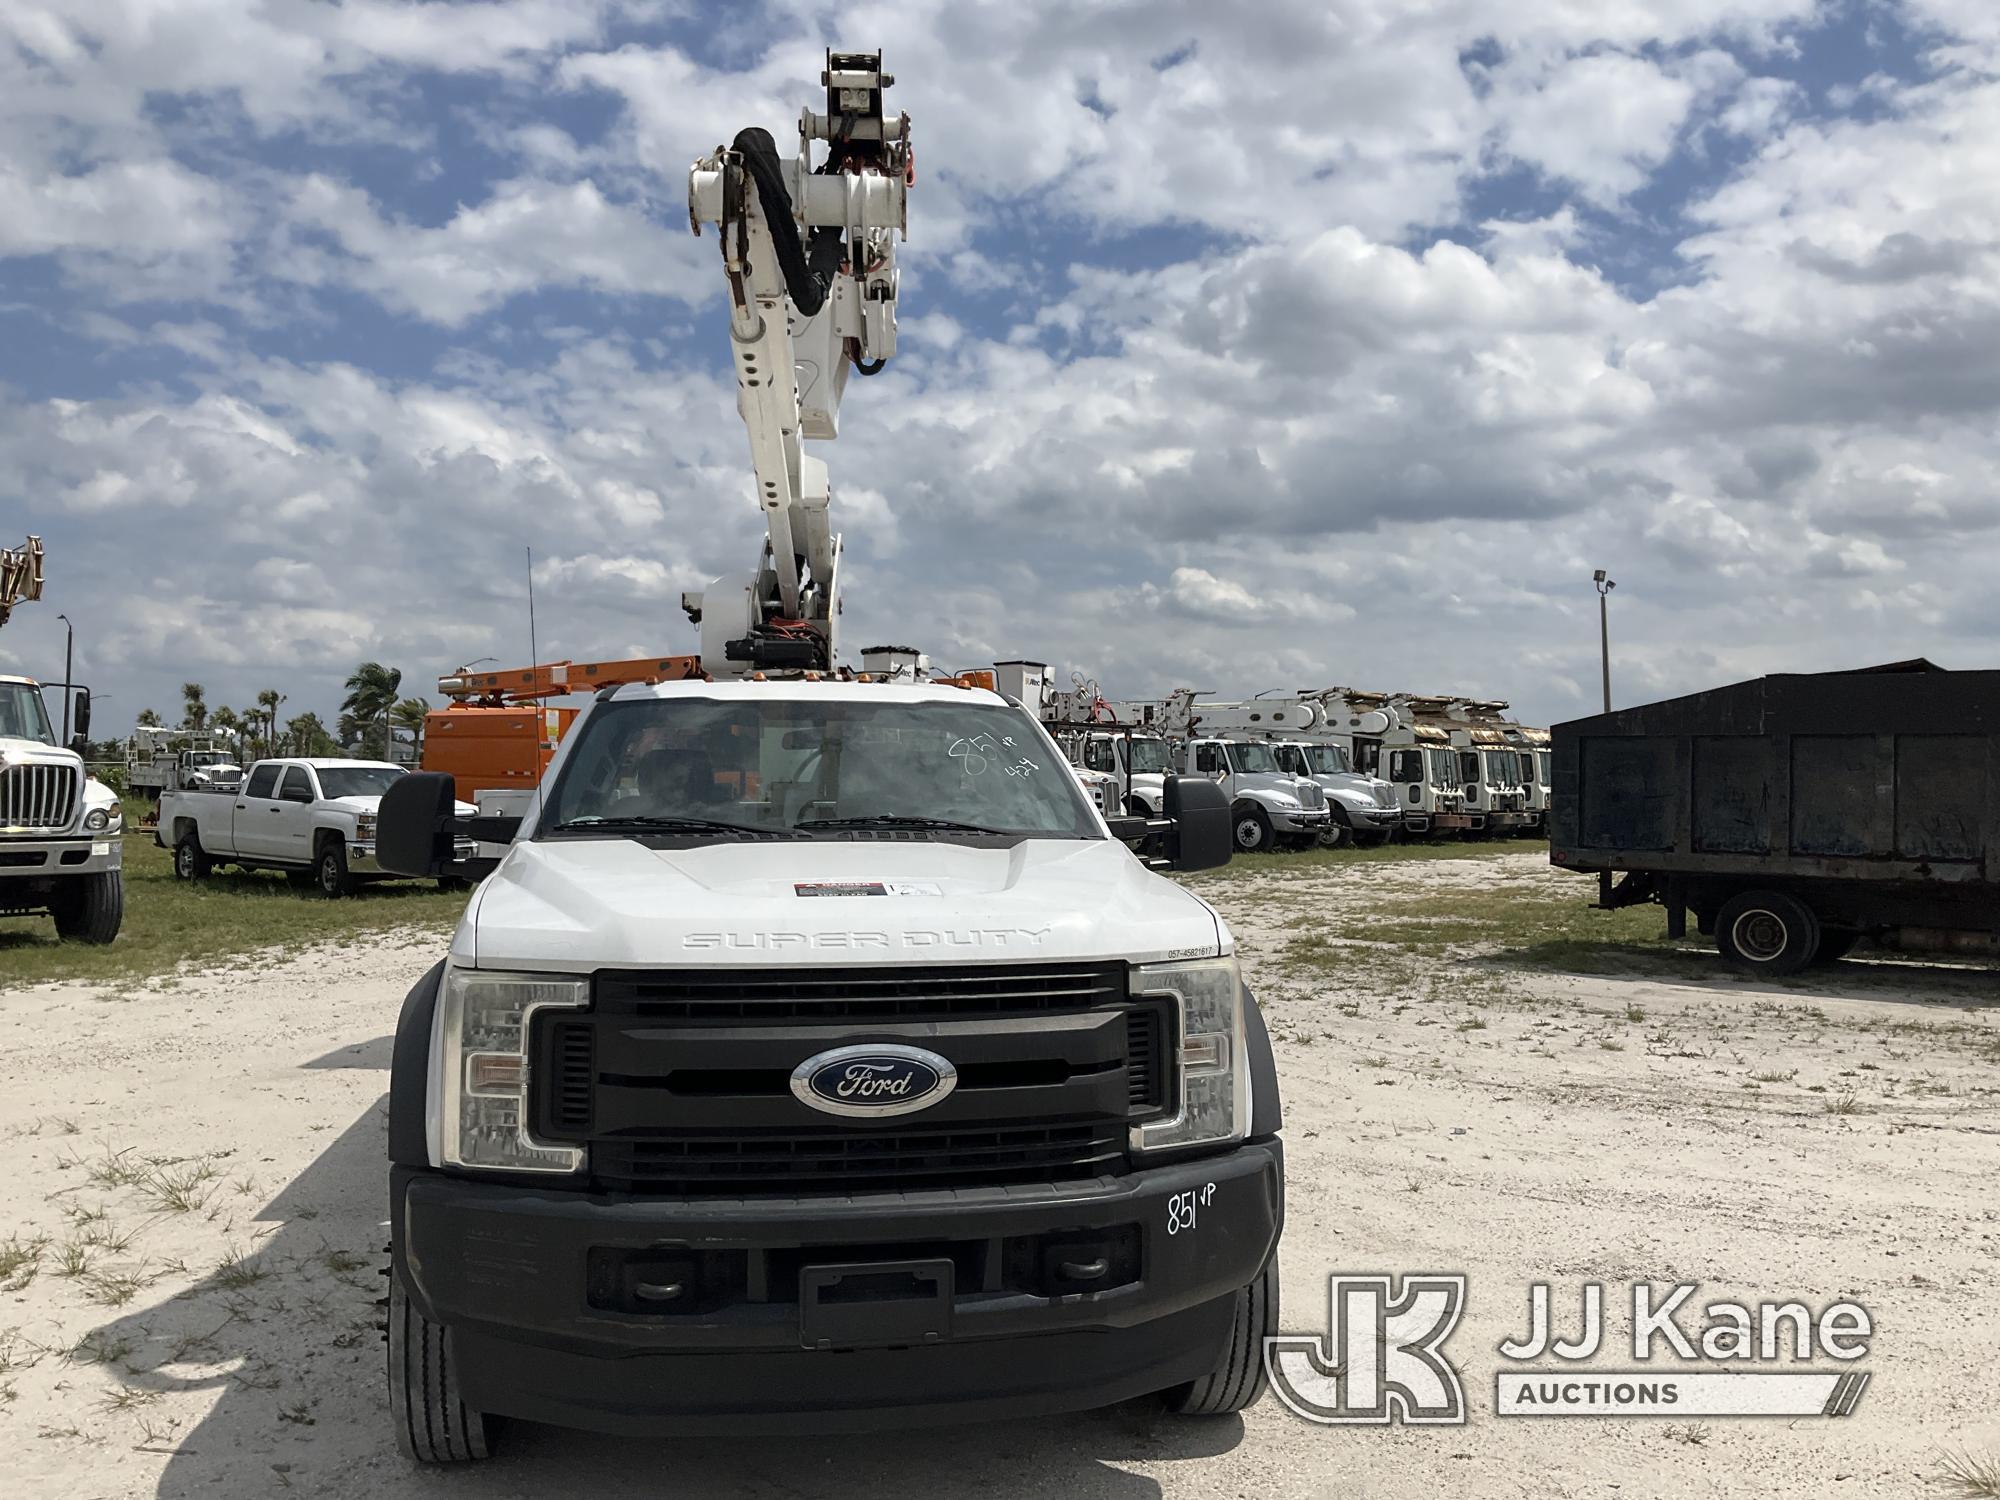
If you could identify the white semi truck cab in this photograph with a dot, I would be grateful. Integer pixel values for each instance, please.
(1269, 805)
(1363, 808)
(61, 829)
(816, 1056)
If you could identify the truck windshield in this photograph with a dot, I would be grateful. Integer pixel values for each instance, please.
(1542, 758)
(1500, 769)
(22, 714)
(706, 767)
(1327, 760)
(1444, 767)
(1149, 757)
(1250, 756)
(357, 781)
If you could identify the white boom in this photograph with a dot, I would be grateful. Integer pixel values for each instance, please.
(810, 256)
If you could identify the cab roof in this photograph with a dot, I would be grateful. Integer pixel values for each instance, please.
(799, 689)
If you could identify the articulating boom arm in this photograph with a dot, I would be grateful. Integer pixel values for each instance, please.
(810, 256)
(20, 575)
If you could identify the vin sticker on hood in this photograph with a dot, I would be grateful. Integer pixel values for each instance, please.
(866, 888)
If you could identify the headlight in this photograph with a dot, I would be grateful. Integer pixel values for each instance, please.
(1214, 1072)
(1289, 804)
(364, 825)
(480, 1075)
(98, 819)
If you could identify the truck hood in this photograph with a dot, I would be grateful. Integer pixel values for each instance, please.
(15, 752)
(374, 804)
(578, 905)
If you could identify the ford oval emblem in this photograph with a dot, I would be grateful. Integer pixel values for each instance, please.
(883, 1079)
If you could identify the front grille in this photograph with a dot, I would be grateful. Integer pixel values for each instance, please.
(863, 1159)
(678, 1081)
(1385, 795)
(766, 997)
(37, 798)
(1311, 796)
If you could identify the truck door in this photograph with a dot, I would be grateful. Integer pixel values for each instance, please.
(254, 833)
(1208, 761)
(294, 822)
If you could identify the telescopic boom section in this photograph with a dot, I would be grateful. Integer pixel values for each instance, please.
(809, 252)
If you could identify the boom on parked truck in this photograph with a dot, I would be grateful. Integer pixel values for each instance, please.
(816, 1054)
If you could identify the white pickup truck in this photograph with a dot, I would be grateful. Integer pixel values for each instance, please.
(313, 819)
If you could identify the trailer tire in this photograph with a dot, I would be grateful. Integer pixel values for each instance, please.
(1238, 1378)
(433, 1423)
(1767, 932)
(1835, 943)
(330, 868)
(1252, 827)
(90, 908)
(190, 863)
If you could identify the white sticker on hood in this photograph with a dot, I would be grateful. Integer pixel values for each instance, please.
(866, 888)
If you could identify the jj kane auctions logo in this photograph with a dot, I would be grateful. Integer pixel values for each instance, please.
(1382, 1357)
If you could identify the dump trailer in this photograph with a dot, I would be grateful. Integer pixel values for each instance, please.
(1793, 814)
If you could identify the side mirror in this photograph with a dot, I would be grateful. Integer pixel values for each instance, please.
(81, 715)
(413, 826)
(296, 794)
(1202, 838)
(79, 745)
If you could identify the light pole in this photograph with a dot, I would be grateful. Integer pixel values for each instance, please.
(69, 657)
(1604, 588)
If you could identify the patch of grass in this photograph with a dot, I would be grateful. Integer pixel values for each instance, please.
(1635, 1013)
(1693, 1434)
(72, 1259)
(171, 922)
(179, 1187)
(1847, 1104)
(342, 1262)
(1785, 1077)
(237, 1272)
(1312, 861)
(115, 1288)
(1967, 1474)
(19, 1261)
(100, 1348)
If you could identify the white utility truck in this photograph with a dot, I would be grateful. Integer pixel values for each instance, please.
(313, 819)
(1489, 769)
(61, 829)
(1363, 808)
(816, 1055)
(1388, 737)
(158, 759)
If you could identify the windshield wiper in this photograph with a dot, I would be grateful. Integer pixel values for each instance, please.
(899, 820)
(652, 824)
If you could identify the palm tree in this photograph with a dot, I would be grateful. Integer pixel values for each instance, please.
(371, 694)
(410, 714)
(225, 722)
(194, 706)
(305, 735)
(148, 719)
(268, 701)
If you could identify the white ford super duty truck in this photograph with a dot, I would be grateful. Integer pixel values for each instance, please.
(817, 1054)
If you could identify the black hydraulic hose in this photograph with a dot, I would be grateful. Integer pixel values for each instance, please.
(808, 271)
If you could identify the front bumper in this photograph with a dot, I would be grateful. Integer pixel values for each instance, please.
(1374, 817)
(86, 854)
(361, 858)
(1301, 821)
(517, 1275)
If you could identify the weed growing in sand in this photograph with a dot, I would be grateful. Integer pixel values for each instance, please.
(237, 1272)
(1847, 1104)
(1968, 1474)
(19, 1261)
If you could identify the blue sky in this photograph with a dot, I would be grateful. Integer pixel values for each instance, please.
(1325, 343)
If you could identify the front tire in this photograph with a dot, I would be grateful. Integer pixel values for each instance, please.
(1767, 933)
(91, 908)
(1333, 836)
(330, 870)
(1253, 829)
(433, 1423)
(1238, 1378)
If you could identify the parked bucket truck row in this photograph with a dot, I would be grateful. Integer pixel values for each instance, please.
(1327, 766)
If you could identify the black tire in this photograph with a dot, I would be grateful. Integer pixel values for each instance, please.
(1238, 1378)
(1134, 808)
(1767, 932)
(1334, 835)
(454, 883)
(1835, 943)
(303, 880)
(190, 863)
(330, 869)
(89, 908)
(1253, 829)
(433, 1424)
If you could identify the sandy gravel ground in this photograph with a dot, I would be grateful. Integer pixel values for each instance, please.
(191, 1184)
